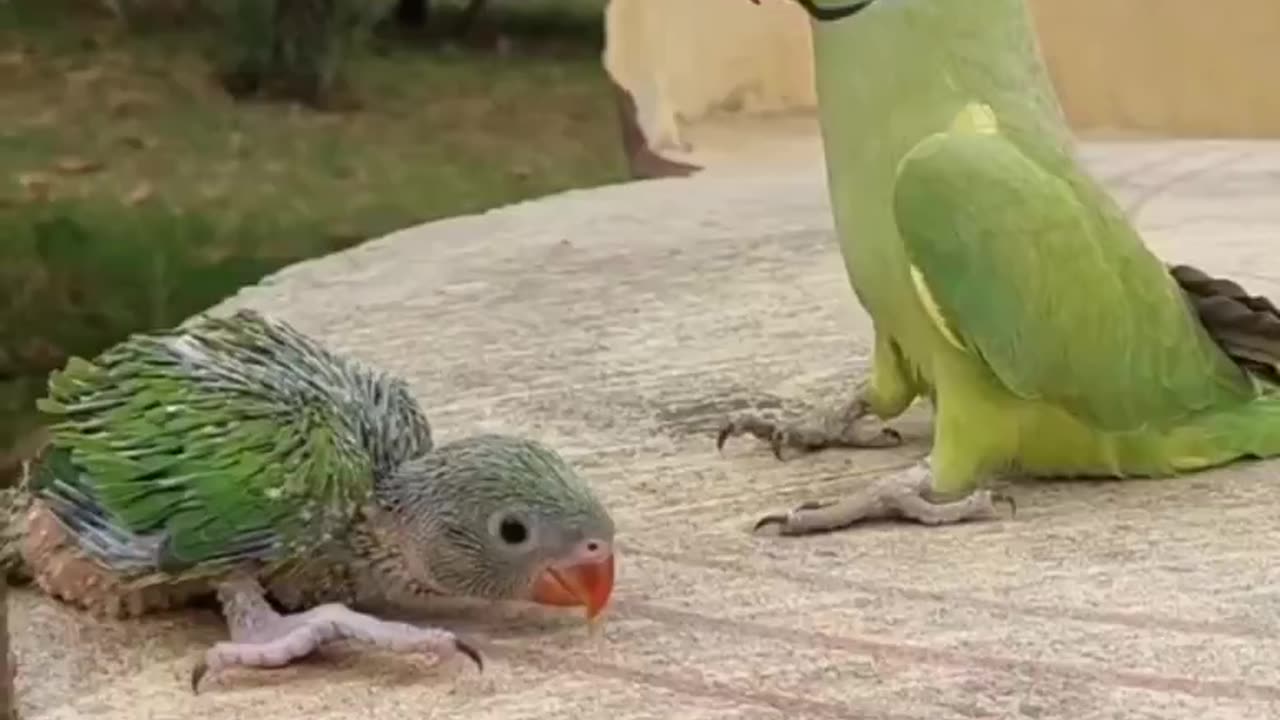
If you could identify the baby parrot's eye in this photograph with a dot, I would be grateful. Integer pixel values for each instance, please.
(513, 531)
(512, 528)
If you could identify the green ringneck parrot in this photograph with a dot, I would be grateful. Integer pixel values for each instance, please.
(1004, 284)
(239, 457)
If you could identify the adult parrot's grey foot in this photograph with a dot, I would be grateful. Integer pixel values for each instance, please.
(850, 426)
(262, 637)
(900, 496)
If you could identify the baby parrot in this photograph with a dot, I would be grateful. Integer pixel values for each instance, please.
(240, 456)
(1004, 284)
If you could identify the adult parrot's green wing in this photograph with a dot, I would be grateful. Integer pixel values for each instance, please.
(188, 452)
(1064, 304)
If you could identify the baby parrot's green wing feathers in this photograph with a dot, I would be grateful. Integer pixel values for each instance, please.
(185, 452)
(1062, 302)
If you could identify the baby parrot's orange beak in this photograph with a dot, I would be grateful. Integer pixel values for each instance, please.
(580, 582)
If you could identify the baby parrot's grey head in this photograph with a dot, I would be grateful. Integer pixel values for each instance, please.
(501, 517)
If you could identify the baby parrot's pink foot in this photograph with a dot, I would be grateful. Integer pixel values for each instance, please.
(849, 426)
(261, 637)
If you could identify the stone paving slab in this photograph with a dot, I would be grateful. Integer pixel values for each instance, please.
(619, 324)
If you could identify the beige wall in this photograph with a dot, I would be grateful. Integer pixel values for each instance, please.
(1162, 67)
(683, 59)
(1170, 67)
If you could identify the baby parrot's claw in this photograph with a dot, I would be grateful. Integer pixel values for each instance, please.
(197, 673)
(470, 652)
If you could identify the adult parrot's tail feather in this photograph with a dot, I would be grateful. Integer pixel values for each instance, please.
(1240, 431)
(1247, 327)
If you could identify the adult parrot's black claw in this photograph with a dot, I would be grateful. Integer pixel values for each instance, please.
(775, 519)
(777, 437)
(1006, 498)
(470, 652)
(776, 443)
(785, 518)
(725, 431)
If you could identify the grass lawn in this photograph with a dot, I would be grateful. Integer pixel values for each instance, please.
(134, 192)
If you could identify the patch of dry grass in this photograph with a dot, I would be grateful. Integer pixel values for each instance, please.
(134, 192)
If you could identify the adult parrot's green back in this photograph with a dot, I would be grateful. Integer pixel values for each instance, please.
(1003, 282)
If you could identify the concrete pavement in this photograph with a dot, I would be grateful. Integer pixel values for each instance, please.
(619, 324)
